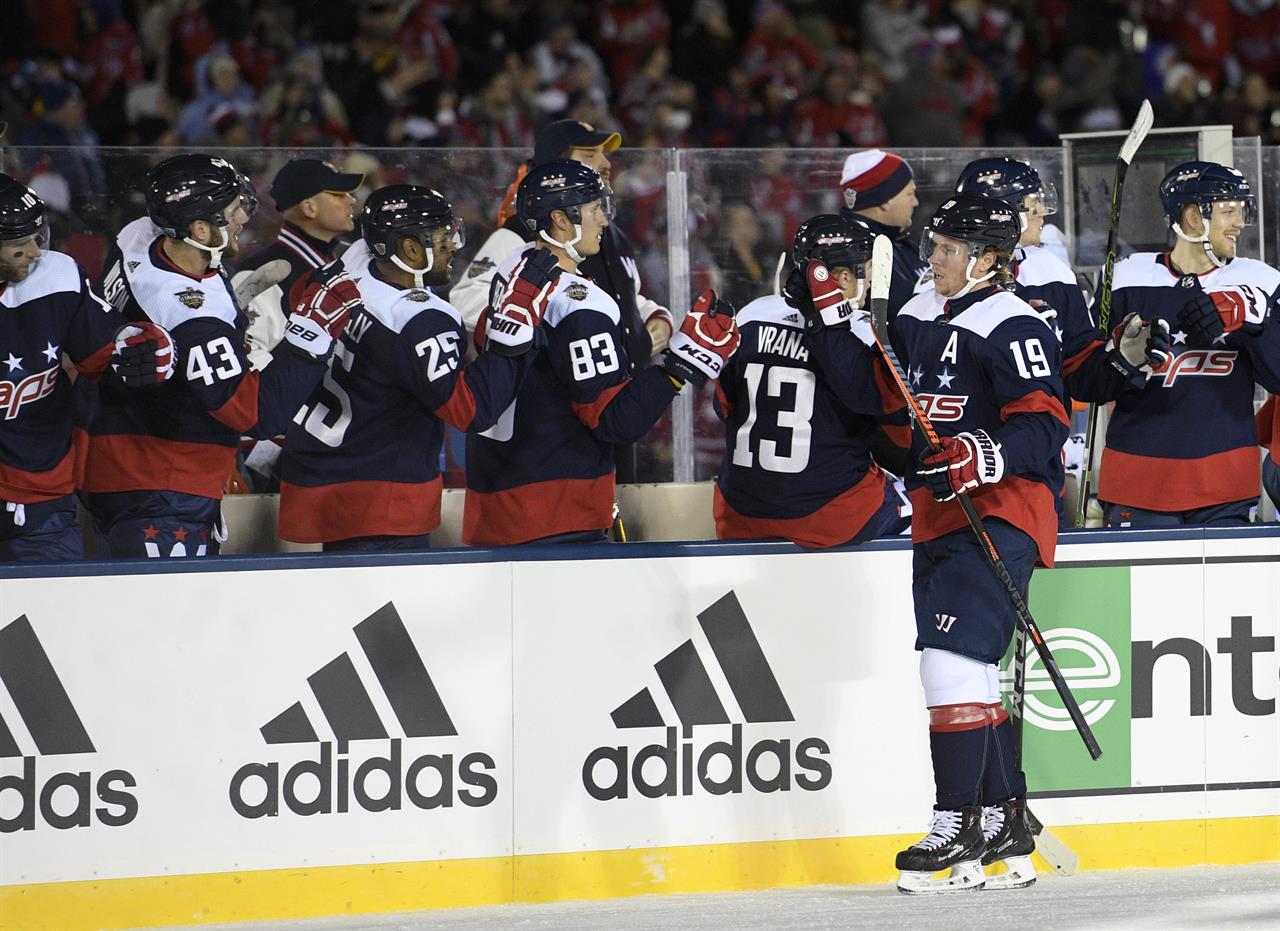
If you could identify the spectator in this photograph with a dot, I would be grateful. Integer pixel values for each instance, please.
(494, 117)
(555, 57)
(219, 83)
(706, 49)
(299, 109)
(61, 140)
(627, 32)
(839, 115)
(746, 268)
(111, 59)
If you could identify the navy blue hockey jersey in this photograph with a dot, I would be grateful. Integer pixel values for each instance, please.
(987, 361)
(1186, 438)
(362, 458)
(547, 466)
(52, 311)
(800, 414)
(182, 436)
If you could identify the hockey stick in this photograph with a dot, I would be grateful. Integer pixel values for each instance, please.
(1141, 126)
(882, 258)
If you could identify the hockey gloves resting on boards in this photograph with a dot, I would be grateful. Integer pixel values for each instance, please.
(705, 341)
(143, 355)
(1208, 316)
(965, 461)
(511, 326)
(812, 290)
(1138, 348)
(321, 304)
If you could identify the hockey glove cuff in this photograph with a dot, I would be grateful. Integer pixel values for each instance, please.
(812, 289)
(1206, 317)
(965, 461)
(707, 338)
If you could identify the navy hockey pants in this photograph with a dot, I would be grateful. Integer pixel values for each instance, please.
(46, 531)
(1235, 514)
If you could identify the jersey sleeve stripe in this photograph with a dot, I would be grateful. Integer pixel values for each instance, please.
(1035, 402)
(460, 409)
(590, 414)
(240, 412)
(1070, 365)
(93, 366)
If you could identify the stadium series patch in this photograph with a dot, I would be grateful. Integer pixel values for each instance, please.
(576, 292)
(192, 297)
(479, 267)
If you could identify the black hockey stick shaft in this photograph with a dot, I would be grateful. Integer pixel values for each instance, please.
(1025, 620)
(1138, 132)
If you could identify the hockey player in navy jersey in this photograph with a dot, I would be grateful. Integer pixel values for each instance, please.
(801, 400)
(985, 367)
(544, 471)
(48, 309)
(157, 462)
(1181, 444)
(361, 464)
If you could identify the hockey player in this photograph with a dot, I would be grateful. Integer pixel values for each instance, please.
(646, 324)
(545, 471)
(1181, 445)
(316, 206)
(48, 309)
(800, 401)
(157, 462)
(361, 465)
(985, 367)
(879, 190)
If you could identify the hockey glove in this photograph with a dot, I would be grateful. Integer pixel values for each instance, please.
(812, 290)
(1047, 313)
(1138, 348)
(1208, 316)
(705, 341)
(143, 355)
(248, 285)
(511, 326)
(322, 303)
(966, 461)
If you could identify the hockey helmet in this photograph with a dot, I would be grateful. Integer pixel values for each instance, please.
(408, 211)
(187, 188)
(980, 221)
(22, 213)
(1204, 184)
(836, 241)
(1009, 179)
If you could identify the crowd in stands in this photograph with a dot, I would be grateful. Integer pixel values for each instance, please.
(804, 73)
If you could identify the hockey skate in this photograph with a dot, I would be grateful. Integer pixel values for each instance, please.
(1010, 838)
(954, 842)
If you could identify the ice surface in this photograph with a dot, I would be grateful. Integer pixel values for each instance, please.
(1235, 897)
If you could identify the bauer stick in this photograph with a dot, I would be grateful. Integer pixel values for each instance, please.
(1141, 126)
(879, 315)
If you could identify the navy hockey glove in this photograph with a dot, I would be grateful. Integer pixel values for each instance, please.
(511, 326)
(966, 461)
(1206, 317)
(1138, 348)
(322, 303)
(143, 355)
(812, 290)
(706, 339)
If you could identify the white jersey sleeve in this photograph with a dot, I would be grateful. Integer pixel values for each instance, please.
(470, 296)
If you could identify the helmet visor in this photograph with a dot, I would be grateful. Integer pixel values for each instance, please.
(1042, 202)
(14, 246)
(949, 246)
(1247, 207)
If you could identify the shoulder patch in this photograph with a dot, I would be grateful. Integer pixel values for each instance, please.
(191, 297)
(480, 266)
(576, 291)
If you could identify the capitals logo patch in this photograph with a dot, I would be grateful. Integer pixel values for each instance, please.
(191, 297)
(943, 408)
(577, 291)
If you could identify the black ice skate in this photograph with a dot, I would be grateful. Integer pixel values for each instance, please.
(954, 842)
(1010, 837)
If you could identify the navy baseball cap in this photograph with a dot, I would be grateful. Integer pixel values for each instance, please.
(556, 139)
(307, 177)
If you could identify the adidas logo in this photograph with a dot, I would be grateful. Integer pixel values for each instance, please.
(668, 769)
(347, 707)
(53, 727)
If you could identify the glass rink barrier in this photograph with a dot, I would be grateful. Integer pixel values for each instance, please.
(696, 218)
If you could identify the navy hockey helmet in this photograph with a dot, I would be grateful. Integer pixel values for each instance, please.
(1009, 179)
(186, 188)
(22, 212)
(408, 211)
(1204, 184)
(835, 241)
(560, 185)
(982, 223)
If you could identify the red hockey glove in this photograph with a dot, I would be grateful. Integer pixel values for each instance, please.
(143, 355)
(1047, 313)
(705, 341)
(321, 303)
(1206, 317)
(511, 327)
(812, 290)
(966, 461)
(1137, 347)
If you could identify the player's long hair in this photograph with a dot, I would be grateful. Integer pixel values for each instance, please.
(1003, 267)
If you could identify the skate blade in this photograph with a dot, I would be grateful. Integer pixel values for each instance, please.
(1017, 873)
(964, 877)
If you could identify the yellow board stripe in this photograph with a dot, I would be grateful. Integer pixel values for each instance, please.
(261, 895)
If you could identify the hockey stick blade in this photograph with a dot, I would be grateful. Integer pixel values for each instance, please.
(777, 273)
(881, 272)
(1141, 126)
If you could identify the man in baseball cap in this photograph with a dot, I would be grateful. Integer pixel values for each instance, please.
(879, 190)
(558, 140)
